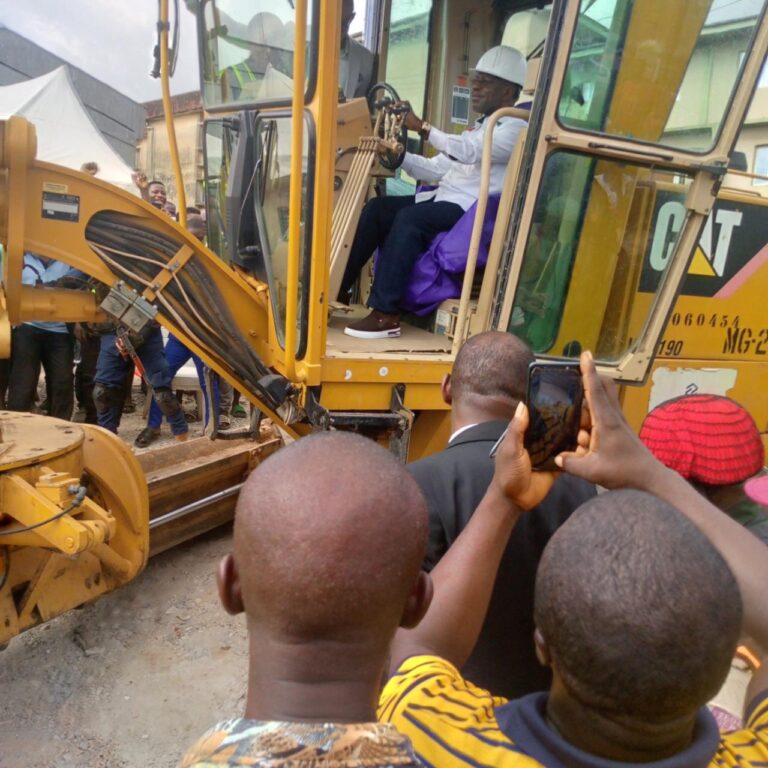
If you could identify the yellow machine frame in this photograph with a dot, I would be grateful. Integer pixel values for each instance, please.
(396, 388)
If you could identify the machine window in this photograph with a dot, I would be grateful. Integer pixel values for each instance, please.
(271, 193)
(603, 234)
(218, 150)
(761, 165)
(247, 52)
(407, 59)
(636, 76)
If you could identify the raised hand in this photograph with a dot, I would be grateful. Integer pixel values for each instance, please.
(609, 453)
(513, 475)
(140, 179)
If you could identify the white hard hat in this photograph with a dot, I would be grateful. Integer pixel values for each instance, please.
(503, 62)
(265, 28)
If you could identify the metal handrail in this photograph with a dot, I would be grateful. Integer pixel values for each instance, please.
(477, 227)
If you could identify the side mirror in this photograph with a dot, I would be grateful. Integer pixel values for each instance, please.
(738, 161)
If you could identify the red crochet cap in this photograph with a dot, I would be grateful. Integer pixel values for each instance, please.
(705, 438)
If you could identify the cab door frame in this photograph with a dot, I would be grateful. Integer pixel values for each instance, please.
(706, 170)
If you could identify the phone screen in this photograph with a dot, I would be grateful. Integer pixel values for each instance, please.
(555, 394)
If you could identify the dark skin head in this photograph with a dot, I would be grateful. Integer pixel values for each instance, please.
(196, 225)
(617, 627)
(328, 542)
(264, 30)
(490, 93)
(488, 380)
(157, 194)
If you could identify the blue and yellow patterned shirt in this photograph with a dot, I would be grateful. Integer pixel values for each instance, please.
(451, 722)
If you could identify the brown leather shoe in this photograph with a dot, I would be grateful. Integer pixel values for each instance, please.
(377, 325)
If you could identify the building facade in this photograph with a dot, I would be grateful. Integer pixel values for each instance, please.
(154, 157)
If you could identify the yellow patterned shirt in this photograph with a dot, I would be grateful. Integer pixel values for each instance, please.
(243, 742)
(451, 722)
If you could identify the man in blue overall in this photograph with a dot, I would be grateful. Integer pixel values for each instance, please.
(109, 392)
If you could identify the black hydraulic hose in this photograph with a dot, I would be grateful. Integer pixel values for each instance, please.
(109, 230)
(133, 233)
(80, 494)
(232, 360)
(109, 234)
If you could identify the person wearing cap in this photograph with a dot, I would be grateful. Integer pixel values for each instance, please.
(357, 64)
(264, 32)
(402, 227)
(714, 443)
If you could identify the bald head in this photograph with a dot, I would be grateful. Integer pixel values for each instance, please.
(639, 611)
(329, 536)
(491, 365)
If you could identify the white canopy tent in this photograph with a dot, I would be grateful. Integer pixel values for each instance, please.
(66, 135)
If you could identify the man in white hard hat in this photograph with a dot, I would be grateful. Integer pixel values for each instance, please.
(402, 227)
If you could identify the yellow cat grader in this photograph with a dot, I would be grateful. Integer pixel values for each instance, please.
(610, 236)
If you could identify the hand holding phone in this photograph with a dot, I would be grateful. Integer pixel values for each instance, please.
(554, 400)
(555, 396)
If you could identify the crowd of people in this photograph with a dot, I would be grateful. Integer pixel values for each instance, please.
(468, 611)
(96, 364)
(465, 610)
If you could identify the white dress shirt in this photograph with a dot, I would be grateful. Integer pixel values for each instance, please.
(461, 430)
(456, 169)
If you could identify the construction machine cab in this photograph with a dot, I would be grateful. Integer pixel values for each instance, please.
(599, 219)
(569, 259)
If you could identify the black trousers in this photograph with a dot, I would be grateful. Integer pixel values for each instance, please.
(84, 375)
(402, 230)
(31, 347)
(5, 372)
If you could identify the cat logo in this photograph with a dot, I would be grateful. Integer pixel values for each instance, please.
(711, 254)
(734, 233)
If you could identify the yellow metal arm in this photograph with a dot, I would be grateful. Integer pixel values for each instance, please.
(58, 304)
(71, 527)
(32, 505)
(117, 238)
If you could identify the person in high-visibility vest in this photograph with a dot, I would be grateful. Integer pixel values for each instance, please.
(264, 30)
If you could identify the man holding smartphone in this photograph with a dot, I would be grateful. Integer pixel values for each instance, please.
(489, 379)
(640, 602)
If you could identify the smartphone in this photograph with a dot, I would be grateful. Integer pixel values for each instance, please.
(555, 395)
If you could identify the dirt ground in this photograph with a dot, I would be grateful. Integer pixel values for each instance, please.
(136, 677)
(133, 423)
(130, 680)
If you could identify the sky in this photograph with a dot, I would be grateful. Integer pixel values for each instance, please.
(111, 39)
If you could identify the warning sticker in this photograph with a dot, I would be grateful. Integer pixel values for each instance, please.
(52, 186)
(62, 207)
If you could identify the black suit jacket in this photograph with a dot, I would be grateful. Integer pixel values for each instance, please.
(453, 482)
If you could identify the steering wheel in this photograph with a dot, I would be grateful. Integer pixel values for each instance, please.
(389, 124)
